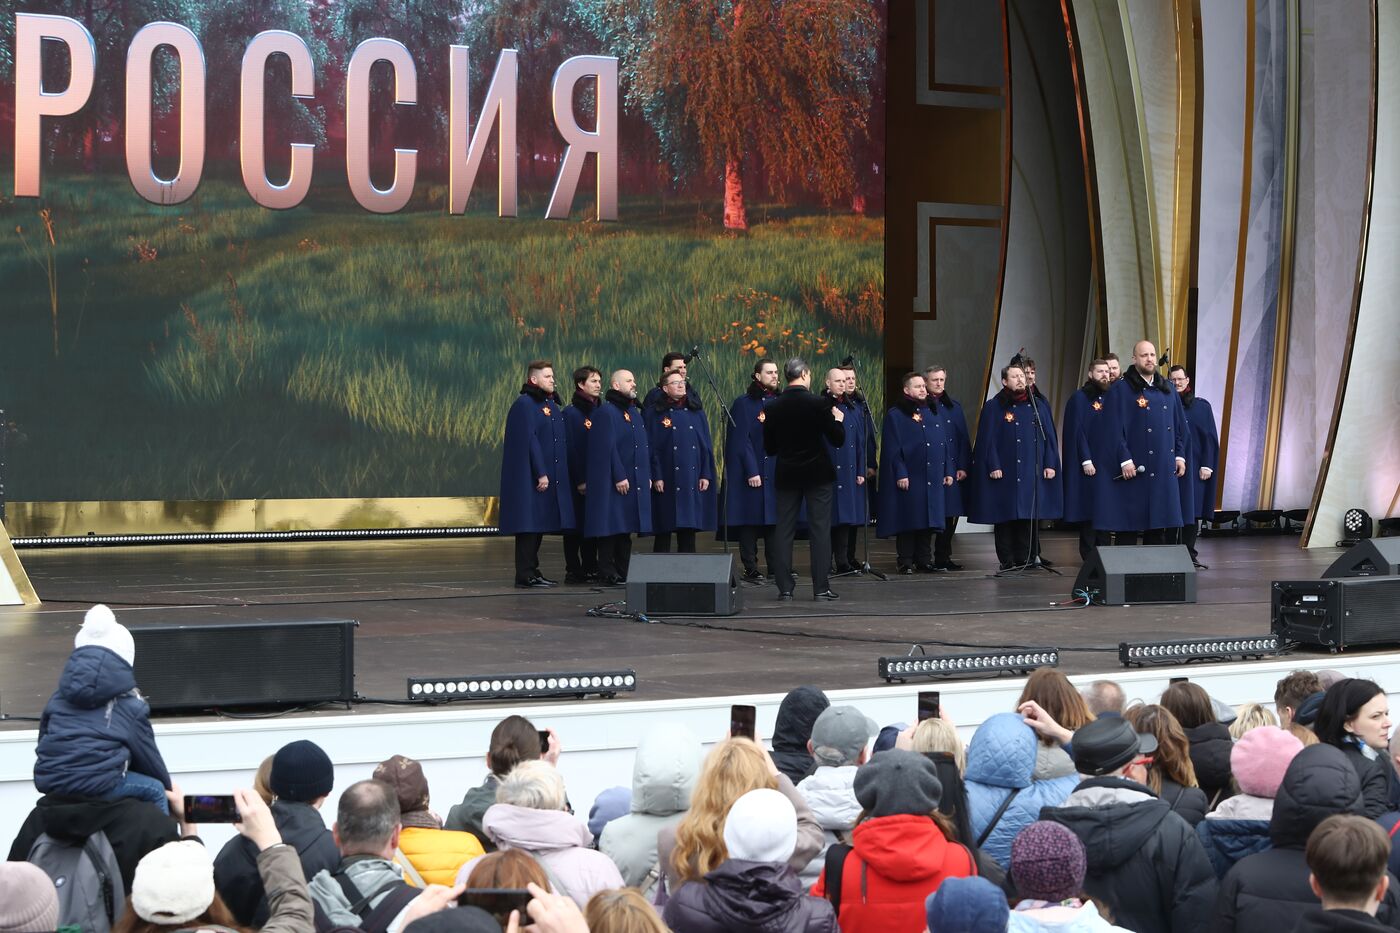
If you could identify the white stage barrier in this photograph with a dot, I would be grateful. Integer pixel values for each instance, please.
(599, 737)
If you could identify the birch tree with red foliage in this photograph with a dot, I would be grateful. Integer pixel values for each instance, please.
(784, 84)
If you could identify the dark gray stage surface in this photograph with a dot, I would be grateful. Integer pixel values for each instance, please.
(441, 607)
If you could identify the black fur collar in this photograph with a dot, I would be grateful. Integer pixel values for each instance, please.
(584, 402)
(1138, 384)
(621, 399)
(907, 405)
(539, 395)
(1092, 389)
(758, 391)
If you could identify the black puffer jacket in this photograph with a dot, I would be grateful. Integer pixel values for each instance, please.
(1210, 756)
(1375, 782)
(1143, 861)
(236, 875)
(740, 896)
(799, 709)
(1189, 803)
(1266, 892)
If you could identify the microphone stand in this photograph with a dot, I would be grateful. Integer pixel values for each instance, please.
(726, 423)
(1033, 561)
(864, 567)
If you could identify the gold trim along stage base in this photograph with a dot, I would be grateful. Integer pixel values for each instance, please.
(41, 520)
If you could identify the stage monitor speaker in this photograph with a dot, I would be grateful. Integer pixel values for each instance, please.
(1133, 575)
(246, 664)
(1337, 614)
(683, 584)
(1374, 557)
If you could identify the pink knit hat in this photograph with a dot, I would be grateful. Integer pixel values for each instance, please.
(1260, 757)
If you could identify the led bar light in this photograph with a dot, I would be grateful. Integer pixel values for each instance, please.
(521, 686)
(901, 669)
(1143, 653)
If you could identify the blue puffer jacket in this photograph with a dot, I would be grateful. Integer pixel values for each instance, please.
(1000, 758)
(94, 727)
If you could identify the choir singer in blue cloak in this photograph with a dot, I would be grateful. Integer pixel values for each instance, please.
(535, 490)
(580, 553)
(1089, 461)
(1203, 455)
(950, 411)
(1151, 441)
(618, 503)
(750, 507)
(1015, 468)
(682, 467)
(916, 469)
(848, 502)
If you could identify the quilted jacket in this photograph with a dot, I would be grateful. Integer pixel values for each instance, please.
(1001, 759)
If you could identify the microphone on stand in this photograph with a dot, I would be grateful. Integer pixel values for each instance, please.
(694, 352)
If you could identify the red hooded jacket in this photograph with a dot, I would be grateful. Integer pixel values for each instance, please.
(898, 862)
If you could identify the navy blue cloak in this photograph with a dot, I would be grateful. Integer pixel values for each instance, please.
(578, 423)
(618, 450)
(1006, 440)
(1086, 437)
(1148, 426)
(535, 446)
(744, 456)
(1205, 452)
(848, 503)
(915, 445)
(681, 455)
(951, 410)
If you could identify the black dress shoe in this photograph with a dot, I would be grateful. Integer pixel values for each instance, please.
(907, 570)
(535, 582)
(752, 576)
(784, 597)
(930, 568)
(612, 581)
(948, 565)
(826, 594)
(576, 579)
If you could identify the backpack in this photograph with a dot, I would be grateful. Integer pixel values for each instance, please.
(88, 880)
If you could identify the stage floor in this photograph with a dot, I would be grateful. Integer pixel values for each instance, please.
(442, 607)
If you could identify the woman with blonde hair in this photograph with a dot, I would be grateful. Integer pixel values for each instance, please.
(695, 846)
(622, 911)
(1171, 776)
(937, 740)
(1251, 716)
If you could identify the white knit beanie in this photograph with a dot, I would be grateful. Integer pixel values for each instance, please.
(173, 884)
(761, 827)
(101, 628)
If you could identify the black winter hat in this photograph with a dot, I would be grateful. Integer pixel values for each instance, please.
(301, 772)
(898, 782)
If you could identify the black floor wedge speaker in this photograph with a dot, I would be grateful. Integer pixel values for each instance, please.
(683, 584)
(1337, 614)
(189, 667)
(1374, 557)
(1135, 575)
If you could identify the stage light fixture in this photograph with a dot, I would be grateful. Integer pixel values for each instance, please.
(900, 669)
(521, 686)
(1356, 526)
(1143, 653)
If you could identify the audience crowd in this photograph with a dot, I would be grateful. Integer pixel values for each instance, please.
(1075, 811)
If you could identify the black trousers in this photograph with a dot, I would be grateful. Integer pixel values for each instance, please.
(843, 547)
(1188, 537)
(943, 540)
(1150, 536)
(614, 556)
(1013, 542)
(580, 555)
(1090, 538)
(685, 542)
(818, 499)
(913, 548)
(527, 555)
(748, 546)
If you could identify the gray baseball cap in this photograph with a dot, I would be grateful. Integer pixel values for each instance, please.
(840, 734)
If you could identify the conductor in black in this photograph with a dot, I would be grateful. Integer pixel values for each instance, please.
(798, 426)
